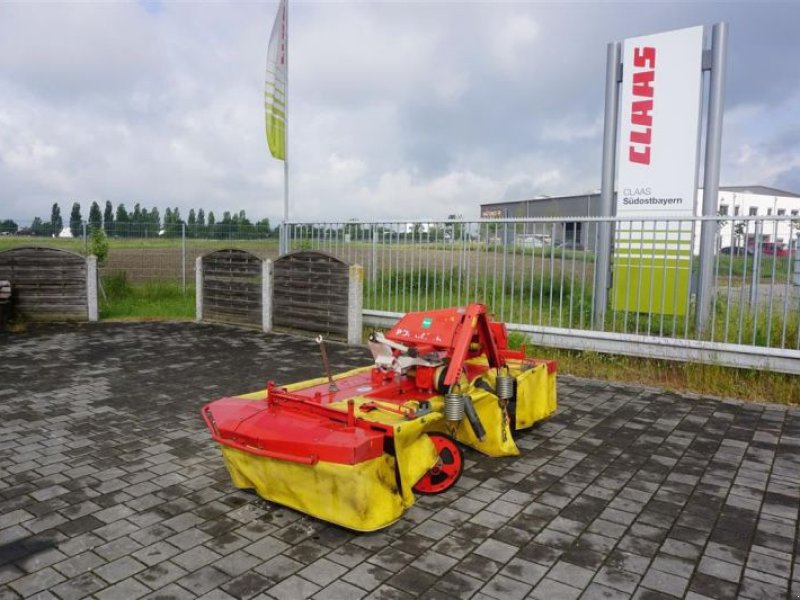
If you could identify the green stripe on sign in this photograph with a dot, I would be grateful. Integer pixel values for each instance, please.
(624, 241)
(648, 252)
(650, 286)
(654, 230)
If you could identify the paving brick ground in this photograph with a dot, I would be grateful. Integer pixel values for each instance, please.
(110, 487)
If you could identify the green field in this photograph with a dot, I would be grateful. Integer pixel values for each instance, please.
(154, 243)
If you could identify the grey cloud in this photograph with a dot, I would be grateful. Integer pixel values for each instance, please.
(789, 180)
(785, 140)
(74, 51)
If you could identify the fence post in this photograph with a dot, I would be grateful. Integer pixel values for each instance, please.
(374, 259)
(198, 289)
(183, 257)
(85, 238)
(606, 206)
(267, 272)
(91, 287)
(283, 242)
(756, 274)
(705, 279)
(795, 252)
(355, 304)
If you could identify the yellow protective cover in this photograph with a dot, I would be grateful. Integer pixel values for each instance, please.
(415, 451)
(373, 494)
(365, 496)
(536, 396)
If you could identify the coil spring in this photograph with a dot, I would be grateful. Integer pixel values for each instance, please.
(505, 387)
(453, 407)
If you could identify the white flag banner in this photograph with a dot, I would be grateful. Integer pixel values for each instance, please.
(275, 86)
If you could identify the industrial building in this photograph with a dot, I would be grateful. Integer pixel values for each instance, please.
(756, 200)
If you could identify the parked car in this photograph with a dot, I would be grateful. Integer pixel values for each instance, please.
(570, 245)
(767, 249)
(774, 249)
(535, 240)
(736, 251)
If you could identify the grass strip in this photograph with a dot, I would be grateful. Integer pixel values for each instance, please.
(159, 300)
(151, 300)
(710, 380)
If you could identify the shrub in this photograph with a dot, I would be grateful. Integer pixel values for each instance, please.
(116, 286)
(98, 245)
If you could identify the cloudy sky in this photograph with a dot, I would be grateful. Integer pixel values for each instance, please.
(397, 109)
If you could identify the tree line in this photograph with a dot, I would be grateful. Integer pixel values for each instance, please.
(141, 222)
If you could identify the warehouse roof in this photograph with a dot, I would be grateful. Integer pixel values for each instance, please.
(544, 198)
(761, 190)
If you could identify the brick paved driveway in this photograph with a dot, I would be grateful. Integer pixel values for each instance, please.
(110, 487)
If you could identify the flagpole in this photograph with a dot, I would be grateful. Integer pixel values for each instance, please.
(276, 106)
(286, 129)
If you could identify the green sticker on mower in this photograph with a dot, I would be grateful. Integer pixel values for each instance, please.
(427, 322)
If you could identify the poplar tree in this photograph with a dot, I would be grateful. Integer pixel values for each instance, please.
(75, 220)
(122, 220)
(56, 222)
(95, 216)
(108, 218)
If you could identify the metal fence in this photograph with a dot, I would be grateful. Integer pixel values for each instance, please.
(539, 277)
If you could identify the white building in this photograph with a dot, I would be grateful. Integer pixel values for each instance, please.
(410, 228)
(756, 201)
